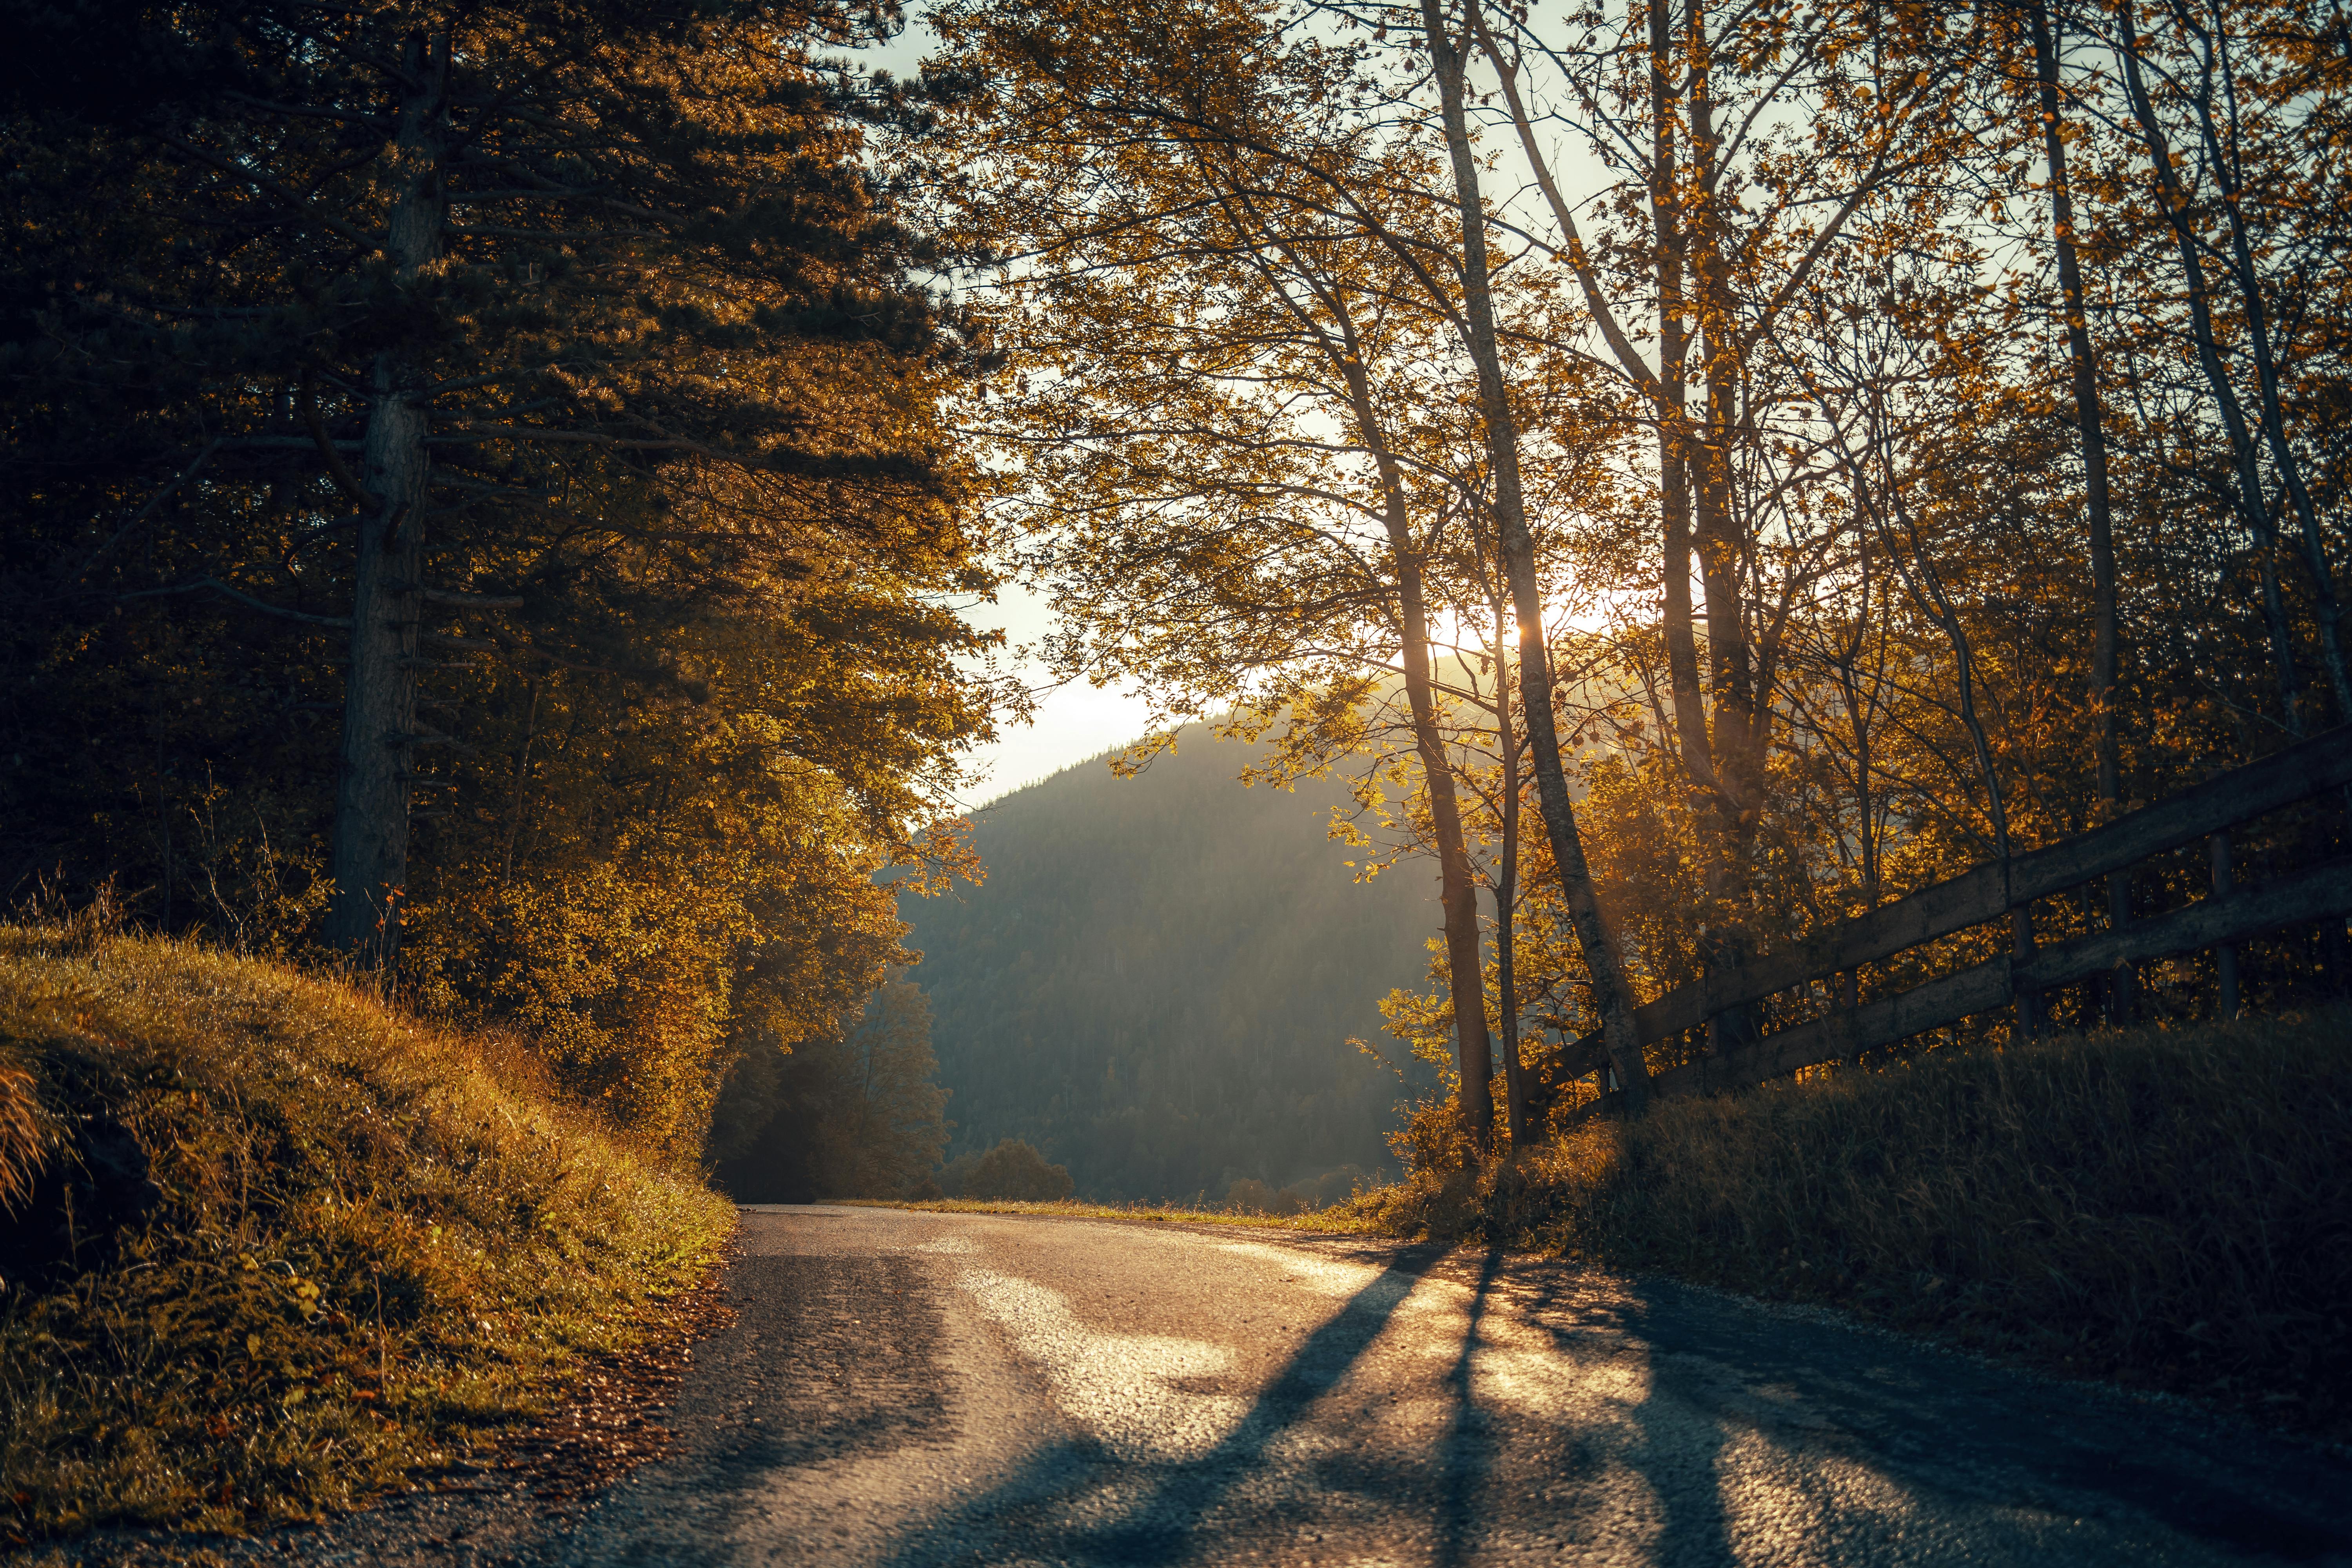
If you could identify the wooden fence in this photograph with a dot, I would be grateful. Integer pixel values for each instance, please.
(1990, 892)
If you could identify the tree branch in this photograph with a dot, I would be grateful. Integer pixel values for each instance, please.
(216, 585)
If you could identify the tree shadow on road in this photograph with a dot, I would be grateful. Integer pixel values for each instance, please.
(1935, 1425)
(1468, 1454)
(1042, 1510)
(1940, 1428)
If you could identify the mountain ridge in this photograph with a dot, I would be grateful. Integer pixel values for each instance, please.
(1158, 982)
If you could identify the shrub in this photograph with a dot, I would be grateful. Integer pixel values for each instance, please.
(1014, 1170)
(1249, 1195)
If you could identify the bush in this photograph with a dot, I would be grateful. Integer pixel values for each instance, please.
(851, 1113)
(1250, 1195)
(1014, 1170)
(2169, 1207)
(314, 1245)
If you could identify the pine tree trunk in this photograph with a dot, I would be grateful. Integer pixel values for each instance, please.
(372, 797)
(1611, 997)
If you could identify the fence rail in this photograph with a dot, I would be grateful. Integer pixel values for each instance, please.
(1989, 892)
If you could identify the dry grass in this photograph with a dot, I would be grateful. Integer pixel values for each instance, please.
(2172, 1209)
(23, 1136)
(1077, 1208)
(371, 1245)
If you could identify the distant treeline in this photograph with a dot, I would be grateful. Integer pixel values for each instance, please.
(1158, 982)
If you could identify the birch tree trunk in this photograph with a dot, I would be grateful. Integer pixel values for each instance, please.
(1506, 888)
(2089, 421)
(1458, 887)
(1611, 998)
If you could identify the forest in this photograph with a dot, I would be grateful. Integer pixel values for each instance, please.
(481, 516)
(490, 494)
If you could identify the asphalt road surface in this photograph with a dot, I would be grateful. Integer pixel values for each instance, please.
(912, 1389)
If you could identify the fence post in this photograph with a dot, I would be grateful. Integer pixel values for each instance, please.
(2123, 980)
(2028, 1001)
(2225, 957)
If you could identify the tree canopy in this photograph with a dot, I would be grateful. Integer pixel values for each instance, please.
(1840, 445)
(477, 501)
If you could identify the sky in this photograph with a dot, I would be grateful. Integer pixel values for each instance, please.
(1074, 721)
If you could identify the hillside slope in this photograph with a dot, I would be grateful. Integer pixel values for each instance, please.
(275, 1246)
(1157, 984)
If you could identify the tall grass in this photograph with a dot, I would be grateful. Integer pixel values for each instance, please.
(369, 1244)
(2165, 1208)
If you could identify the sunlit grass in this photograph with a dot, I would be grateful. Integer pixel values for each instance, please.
(1329, 1219)
(374, 1243)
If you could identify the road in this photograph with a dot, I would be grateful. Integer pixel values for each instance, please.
(917, 1390)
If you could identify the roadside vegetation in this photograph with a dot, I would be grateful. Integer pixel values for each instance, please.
(2167, 1208)
(283, 1244)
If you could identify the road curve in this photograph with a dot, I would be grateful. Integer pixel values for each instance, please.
(915, 1390)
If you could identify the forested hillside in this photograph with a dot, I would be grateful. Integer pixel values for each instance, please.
(1156, 982)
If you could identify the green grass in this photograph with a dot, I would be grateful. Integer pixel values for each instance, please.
(374, 1244)
(2166, 1208)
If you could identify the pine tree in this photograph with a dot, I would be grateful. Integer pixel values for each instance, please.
(550, 337)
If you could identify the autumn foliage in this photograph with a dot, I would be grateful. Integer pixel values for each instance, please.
(1920, 428)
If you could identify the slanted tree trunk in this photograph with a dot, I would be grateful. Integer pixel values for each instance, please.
(2223, 160)
(1457, 887)
(372, 797)
(1611, 997)
(2089, 422)
(1507, 888)
(2244, 463)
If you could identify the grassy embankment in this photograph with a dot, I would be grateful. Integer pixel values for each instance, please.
(360, 1246)
(2168, 1208)
(2171, 1209)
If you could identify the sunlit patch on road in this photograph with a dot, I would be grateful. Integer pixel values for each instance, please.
(1119, 1387)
